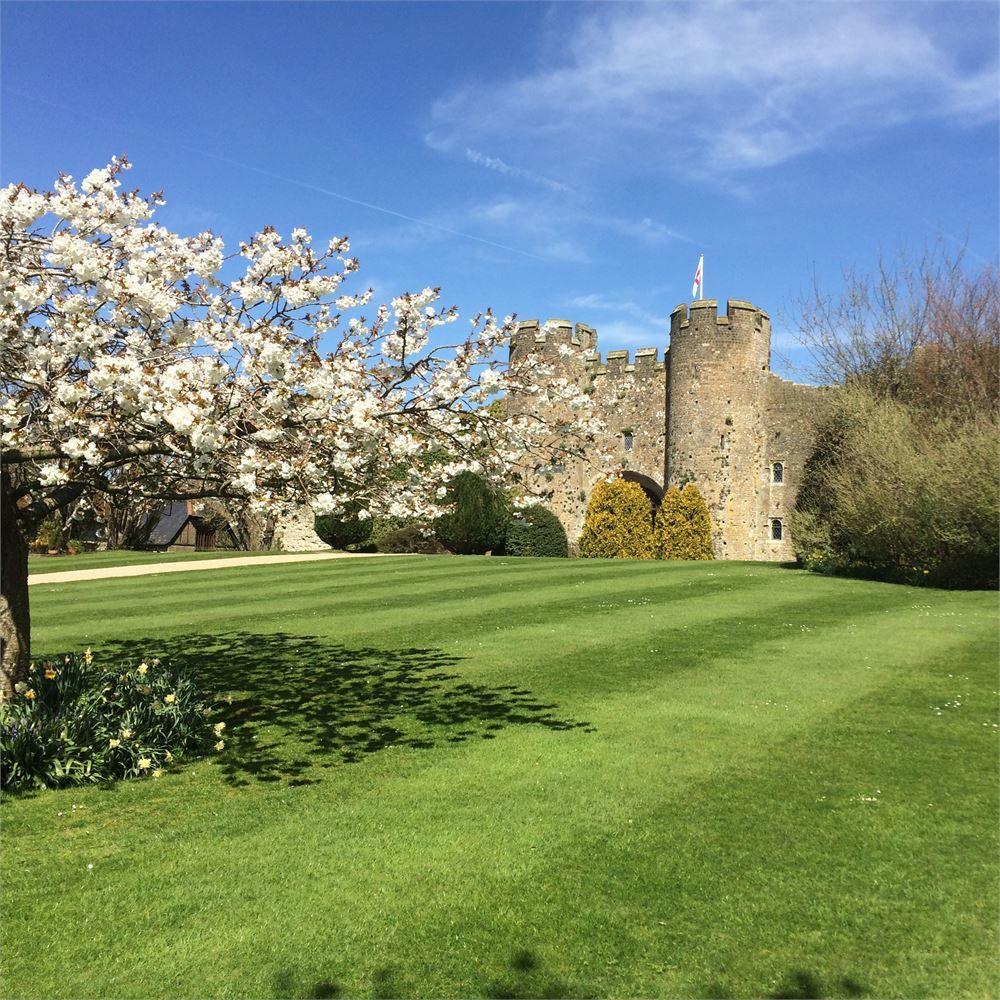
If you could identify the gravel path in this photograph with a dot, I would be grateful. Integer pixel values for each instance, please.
(147, 569)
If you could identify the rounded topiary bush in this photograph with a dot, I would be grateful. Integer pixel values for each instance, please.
(618, 523)
(73, 722)
(683, 525)
(536, 531)
(344, 529)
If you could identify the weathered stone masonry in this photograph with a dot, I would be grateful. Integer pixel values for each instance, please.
(711, 411)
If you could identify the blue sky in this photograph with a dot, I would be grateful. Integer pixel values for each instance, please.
(550, 160)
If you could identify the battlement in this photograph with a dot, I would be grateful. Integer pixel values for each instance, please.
(646, 361)
(706, 313)
(546, 338)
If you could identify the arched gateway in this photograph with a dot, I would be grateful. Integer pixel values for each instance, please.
(652, 489)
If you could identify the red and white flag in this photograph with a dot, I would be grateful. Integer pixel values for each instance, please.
(698, 288)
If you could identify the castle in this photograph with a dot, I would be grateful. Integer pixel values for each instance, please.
(710, 412)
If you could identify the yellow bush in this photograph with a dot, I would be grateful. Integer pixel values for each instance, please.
(617, 525)
(683, 525)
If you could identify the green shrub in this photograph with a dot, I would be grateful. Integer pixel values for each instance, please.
(478, 519)
(618, 523)
(683, 525)
(536, 531)
(73, 723)
(47, 537)
(414, 538)
(382, 526)
(894, 493)
(345, 529)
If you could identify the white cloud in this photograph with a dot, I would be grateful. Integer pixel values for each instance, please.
(502, 167)
(720, 89)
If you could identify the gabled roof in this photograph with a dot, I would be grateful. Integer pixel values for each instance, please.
(171, 519)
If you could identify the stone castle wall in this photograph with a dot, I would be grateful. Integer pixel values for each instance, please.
(710, 411)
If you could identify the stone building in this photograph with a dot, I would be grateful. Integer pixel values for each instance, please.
(710, 411)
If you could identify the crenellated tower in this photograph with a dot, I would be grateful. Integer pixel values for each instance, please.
(719, 368)
(710, 412)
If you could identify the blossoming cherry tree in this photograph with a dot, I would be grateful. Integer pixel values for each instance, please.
(140, 366)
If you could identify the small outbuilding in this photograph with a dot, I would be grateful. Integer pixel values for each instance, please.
(178, 528)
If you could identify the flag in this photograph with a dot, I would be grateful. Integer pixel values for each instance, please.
(698, 288)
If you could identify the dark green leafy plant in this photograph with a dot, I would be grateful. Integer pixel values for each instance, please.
(344, 530)
(536, 531)
(73, 722)
(478, 519)
(414, 538)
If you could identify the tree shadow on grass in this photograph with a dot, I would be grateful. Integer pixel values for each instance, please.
(801, 984)
(299, 702)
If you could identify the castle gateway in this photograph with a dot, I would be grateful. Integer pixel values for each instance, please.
(710, 412)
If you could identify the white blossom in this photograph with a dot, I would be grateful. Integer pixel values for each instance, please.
(130, 364)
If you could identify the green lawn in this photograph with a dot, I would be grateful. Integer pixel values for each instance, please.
(511, 778)
(38, 565)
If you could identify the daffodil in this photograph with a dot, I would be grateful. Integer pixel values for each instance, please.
(30, 694)
(50, 674)
(114, 743)
(218, 727)
(170, 699)
(144, 764)
(126, 734)
(88, 656)
(220, 745)
(142, 669)
(158, 773)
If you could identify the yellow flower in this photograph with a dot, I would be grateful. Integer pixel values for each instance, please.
(220, 745)
(30, 694)
(50, 674)
(218, 727)
(142, 669)
(20, 687)
(126, 734)
(114, 743)
(144, 764)
(168, 756)
(170, 699)
(158, 773)
(88, 656)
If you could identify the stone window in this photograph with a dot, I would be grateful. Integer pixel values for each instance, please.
(776, 529)
(629, 440)
(777, 473)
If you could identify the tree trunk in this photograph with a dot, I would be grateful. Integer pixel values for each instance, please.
(15, 622)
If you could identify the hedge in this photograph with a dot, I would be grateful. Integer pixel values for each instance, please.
(536, 531)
